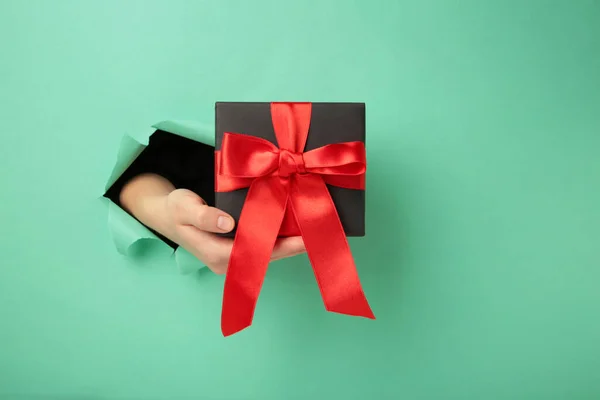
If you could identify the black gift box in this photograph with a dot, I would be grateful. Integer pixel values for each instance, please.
(330, 123)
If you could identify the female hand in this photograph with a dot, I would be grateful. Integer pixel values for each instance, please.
(195, 225)
(185, 218)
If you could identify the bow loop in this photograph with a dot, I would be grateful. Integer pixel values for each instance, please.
(337, 159)
(245, 156)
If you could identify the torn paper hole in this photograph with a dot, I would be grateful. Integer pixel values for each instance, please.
(125, 230)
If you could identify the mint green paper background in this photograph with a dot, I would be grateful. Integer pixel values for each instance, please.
(482, 260)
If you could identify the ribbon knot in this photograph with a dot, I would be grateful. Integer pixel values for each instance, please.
(273, 201)
(291, 163)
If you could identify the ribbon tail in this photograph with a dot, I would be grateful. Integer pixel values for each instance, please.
(327, 247)
(255, 238)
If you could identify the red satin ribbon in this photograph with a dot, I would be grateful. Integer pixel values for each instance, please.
(288, 196)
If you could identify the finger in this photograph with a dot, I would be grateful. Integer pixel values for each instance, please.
(214, 251)
(288, 247)
(193, 211)
(220, 252)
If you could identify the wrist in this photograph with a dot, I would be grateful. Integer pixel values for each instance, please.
(157, 215)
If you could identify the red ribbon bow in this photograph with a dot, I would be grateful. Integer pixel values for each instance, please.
(288, 196)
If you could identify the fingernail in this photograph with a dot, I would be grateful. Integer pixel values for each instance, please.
(224, 223)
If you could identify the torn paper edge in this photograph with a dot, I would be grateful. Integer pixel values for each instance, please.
(125, 230)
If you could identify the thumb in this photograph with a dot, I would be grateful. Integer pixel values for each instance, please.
(192, 210)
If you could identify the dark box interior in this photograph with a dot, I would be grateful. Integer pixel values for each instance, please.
(330, 123)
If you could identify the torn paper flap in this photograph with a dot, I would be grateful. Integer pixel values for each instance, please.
(125, 230)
